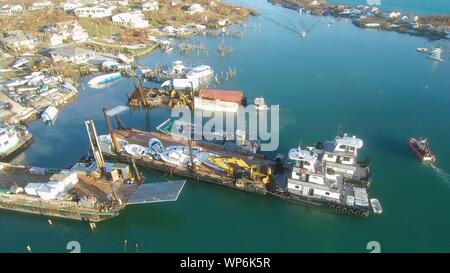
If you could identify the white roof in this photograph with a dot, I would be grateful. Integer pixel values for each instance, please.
(350, 141)
(299, 154)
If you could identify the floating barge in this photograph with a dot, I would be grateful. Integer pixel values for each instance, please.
(201, 173)
(324, 175)
(90, 190)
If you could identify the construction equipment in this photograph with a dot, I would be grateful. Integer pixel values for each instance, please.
(239, 167)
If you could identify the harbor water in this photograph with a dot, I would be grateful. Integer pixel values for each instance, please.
(372, 83)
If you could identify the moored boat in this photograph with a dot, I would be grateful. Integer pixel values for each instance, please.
(376, 206)
(13, 140)
(422, 50)
(421, 149)
(200, 72)
(103, 79)
(49, 114)
(436, 54)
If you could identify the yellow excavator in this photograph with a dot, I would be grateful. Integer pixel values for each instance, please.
(234, 166)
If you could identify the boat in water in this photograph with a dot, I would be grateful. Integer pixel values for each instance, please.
(311, 181)
(49, 115)
(200, 72)
(167, 49)
(422, 50)
(13, 140)
(177, 70)
(436, 54)
(376, 206)
(421, 149)
(260, 104)
(104, 79)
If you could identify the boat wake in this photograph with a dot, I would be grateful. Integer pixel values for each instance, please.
(444, 175)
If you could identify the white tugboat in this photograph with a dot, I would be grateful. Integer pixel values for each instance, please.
(341, 156)
(311, 181)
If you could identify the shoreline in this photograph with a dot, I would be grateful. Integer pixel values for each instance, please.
(435, 27)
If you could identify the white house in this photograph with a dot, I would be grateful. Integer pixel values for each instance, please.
(79, 34)
(11, 9)
(131, 19)
(117, 3)
(150, 6)
(19, 42)
(93, 12)
(71, 29)
(56, 39)
(72, 54)
(195, 8)
(71, 5)
(41, 5)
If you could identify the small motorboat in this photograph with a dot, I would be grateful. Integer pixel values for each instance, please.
(436, 54)
(260, 104)
(125, 59)
(49, 115)
(155, 147)
(167, 49)
(136, 150)
(422, 50)
(103, 79)
(17, 82)
(200, 72)
(421, 149)
(376, 206)
(179, 155)
(19, 63)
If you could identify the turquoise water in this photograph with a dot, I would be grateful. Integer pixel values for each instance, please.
(421, 7)
(372, 82)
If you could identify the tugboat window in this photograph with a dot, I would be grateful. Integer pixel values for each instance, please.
(311, 192)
